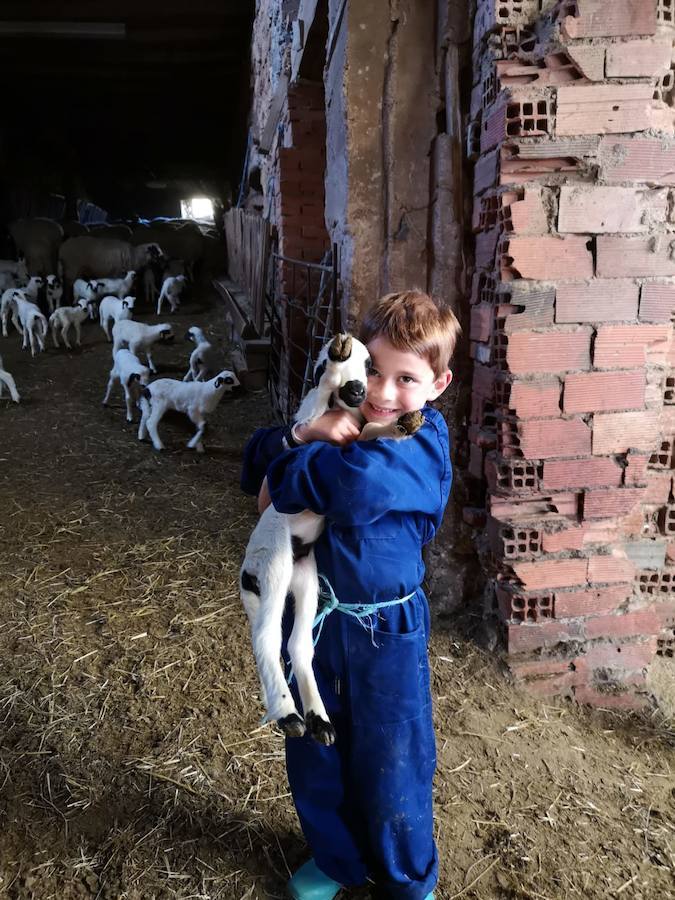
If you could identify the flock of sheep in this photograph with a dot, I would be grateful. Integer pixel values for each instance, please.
(89, 268)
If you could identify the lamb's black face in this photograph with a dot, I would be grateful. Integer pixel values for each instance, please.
(353, 393)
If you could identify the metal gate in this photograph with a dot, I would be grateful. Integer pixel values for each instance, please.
(304, 311)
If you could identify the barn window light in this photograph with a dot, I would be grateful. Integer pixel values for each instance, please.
(197, 208)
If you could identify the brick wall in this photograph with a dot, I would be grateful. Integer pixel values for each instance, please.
(573, 417)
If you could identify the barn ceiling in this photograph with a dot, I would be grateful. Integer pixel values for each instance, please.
(126, 90)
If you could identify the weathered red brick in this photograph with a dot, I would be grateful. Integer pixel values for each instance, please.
(597, 18)
(635, 473)
(604, 504)
(567, 539)
(482, 317)
(551, 573)
(526, 306)
(554, 351)
(483, 381)
(524, 214)
(645, 160)
(609, 109)
(546, 438)
(658, 487)
(643, 622)
(523, 638)
(534, 399)
(610, 569)
(591, 602)
(547, 257)
(601, 391)
(629, 346)
(550, 685)
(589, 60)
(657, 302)
(628, 656)
(597, 300)
(538, 667)
(606, 700)
(578, 473)
(620, 432)
(635, 59)
(628, 257)
(596, 209)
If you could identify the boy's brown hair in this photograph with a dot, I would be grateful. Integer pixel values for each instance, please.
(413, 321)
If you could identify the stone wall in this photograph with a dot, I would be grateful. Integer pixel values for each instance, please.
(573, 417)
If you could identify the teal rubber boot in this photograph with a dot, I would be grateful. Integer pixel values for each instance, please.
(310, 883)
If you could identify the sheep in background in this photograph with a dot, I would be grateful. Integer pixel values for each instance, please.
(33, 288)
(54, 292)
(116, 287)
(172, 288)
(29, 321)
(16, 268)
(6, 379)
(132, 375)
(64, 318)
(115, 310)
(196, 400)
(204, 359)
(140, 337)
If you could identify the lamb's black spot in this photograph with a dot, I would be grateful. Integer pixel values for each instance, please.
(318, 372)
(146, 393)
(300, 548)
(250, 583)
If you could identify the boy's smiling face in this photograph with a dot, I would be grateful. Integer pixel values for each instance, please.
(399, 381)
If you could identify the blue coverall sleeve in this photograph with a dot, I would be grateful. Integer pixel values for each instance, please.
(263, 446)
(359, 483)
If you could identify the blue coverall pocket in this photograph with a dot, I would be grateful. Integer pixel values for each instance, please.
(388, 675)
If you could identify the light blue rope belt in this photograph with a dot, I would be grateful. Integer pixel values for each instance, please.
(359, 611)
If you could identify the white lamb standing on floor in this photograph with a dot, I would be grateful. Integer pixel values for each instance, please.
(87, 289)
(113, 309)
(132, 375)
(280, 559)
(204, 359)
(172, 288)
(116, 287)
(65, 318)
(196, 399)
(6, 379)
(6, 307)
(29, 321)
(139, 337)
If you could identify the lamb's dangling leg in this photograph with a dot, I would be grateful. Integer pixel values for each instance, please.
(305, 589)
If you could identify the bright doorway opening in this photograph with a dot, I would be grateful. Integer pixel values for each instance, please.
(197, 208)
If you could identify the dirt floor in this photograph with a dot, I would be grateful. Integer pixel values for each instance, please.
(132, 761)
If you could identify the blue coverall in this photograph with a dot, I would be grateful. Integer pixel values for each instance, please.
(365, 803)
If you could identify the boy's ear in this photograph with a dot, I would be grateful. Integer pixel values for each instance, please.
(440, 384)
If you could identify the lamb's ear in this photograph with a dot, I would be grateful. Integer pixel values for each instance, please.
(318, 372)
(135, 376)
(125, 305)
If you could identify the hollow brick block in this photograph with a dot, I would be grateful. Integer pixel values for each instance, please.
(597, 209)
(546, 438)
(628, 346)
(604, 391)
(567, 539)
(598, 18)
(635, 59)
(546, 258)
(657, 302)
(591, 602)
(610, 569)
(640, 159)
(631, 624)
(611, 502)
(555, 351)
(533, 400)
(581, 473)
(525, 637)
(597, 300)
(627, 257)
(609, 109)
(527, 306)
(589, 60)
(621, 432)
(551, 573)
(606, 700)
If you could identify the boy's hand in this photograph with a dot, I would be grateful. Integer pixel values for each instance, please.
(264, 498)
(336, 426)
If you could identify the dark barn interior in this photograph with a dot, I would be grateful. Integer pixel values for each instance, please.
(129, 105)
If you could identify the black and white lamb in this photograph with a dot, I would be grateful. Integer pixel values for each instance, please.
(64, 318)
(172, 288)
(204, 359)
(139, 337)
(197, 399)
(280, 559)
(113, 309)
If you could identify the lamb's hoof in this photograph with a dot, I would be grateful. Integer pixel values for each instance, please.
(321, 730)
(410, 422)
(292, 726)
(340, 348)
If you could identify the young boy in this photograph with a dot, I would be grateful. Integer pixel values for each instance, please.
(365, 803)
